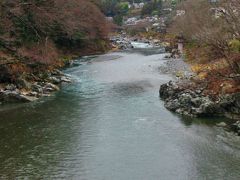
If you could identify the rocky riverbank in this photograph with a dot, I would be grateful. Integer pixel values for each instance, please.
(23, 90)
(188, 97)
(122, 41)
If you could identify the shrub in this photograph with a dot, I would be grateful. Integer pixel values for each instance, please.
(234, 45)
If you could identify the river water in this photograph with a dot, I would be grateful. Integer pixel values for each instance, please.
(110, 124)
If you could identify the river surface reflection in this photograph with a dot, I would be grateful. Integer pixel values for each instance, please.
(110, 124)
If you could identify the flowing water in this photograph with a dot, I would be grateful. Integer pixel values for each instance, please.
(110, 124)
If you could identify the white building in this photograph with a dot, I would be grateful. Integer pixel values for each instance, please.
(138, 5)
(181, 12)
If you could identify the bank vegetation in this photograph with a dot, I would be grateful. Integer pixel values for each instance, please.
(211, 34)
(36, 34)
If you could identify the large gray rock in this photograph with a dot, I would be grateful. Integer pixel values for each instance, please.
(55, 80)
(65, 79)
(173, 105)
(187, 102)
(37, 88)
(15, 96)
(222, 124)
(169, 89)
(23, 91)
(25, 98)
(231, 105)
(49, 87)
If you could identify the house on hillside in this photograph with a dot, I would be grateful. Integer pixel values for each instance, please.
(109, 19)
(138, 5)
(181, 12)
(131, 21)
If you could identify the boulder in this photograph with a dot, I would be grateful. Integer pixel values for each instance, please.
(173, 105)
(163, 92)
(25, 98)
(33, 93)
(37, 88)
(236, 127)
(187, 102)
(49, 87)
(54, 80)
(65, 79)
(194, 102)
(15, 96)
(222, 124)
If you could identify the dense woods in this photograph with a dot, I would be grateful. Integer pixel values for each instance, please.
(41, 30)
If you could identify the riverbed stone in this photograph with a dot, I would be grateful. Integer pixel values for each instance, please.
(25, 98)
(236, 127)
(188, 102)
(192, 102)
(15, 96)
(65, 79)
(49, 87)
(55, 80)
(24, 90)
(10, 87)
(222, 124)
(37, 88)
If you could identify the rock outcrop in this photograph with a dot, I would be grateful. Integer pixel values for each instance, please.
(27, 91)
(194, 103)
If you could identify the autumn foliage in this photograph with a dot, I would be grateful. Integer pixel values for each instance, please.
(41, 30)
(211, 34)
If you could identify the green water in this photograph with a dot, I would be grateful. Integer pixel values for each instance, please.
(110, 124)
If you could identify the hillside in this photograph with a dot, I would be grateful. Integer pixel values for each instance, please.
(38, 33)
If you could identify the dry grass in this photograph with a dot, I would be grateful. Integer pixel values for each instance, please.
(214, 73)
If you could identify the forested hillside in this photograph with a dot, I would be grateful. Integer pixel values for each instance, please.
(43, 31)
(211, 33)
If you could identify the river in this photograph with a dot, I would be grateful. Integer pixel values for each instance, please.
(110, 124)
